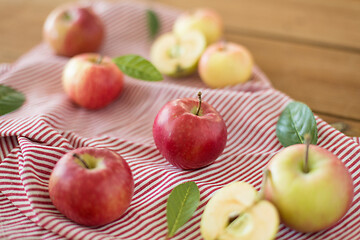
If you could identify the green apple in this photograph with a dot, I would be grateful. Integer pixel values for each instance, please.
(177, 56)
(237, 212)
(225, 64)
(311, 188)
(204, 20)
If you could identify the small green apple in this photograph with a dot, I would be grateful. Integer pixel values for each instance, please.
(237, 212)
(178, 56)
(311, 187)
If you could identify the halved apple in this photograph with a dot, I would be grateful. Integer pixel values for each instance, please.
(178, 56)
(236, 212)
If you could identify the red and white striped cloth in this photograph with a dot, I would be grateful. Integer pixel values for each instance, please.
(33, 138)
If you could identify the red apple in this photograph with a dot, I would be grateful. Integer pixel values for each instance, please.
(91, 186)
(92, 81)
(189, 133)
(73, 29)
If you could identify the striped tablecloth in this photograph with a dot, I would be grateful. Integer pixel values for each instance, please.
(33, 139)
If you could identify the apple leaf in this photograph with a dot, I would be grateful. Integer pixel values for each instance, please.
(138, 67)
(181, 205)
(295, 121)
(10, 99)
(152, 22)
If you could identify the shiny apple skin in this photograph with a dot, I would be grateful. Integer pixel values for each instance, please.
(92, 197)
(225, 64)
(92, 85)
(313, 201)
(205, 20)
(73, 29)
(186, 140)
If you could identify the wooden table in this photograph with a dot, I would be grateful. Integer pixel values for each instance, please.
(309, 49)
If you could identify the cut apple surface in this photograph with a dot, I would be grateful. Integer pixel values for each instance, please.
(235, 212)
(178, 56)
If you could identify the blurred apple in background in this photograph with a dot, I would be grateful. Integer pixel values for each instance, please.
(92, 81)
(225, 64)
(73, 29)
(310, 195)
(91, 186)
(236, 212)
(189, 133)
(178, 56)
(204, 20)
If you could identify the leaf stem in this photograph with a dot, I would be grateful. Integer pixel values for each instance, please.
(199, 105)
(307, 140)
(81, 160)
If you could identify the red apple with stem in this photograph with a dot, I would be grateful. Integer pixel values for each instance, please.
(73, 29)
(92, 81)
(189, 133)
(91, 186)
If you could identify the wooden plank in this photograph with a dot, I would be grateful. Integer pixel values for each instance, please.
(333, 23)
(21, 24)
(325, 79)
(350, 128)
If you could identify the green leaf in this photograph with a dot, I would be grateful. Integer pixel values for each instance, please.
(152, 22)
(295, 121)
(181, 205)
(10, 99)
(138, 67)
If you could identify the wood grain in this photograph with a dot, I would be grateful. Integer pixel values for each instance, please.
(21, 23)
(325, 79)
(348, 127)
(334, 23)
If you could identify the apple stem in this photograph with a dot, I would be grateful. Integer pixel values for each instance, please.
(223, 44)
(261, 194)
(66, 16)
(81, 160)
(99, 59)
(199, 106)
(307, 140)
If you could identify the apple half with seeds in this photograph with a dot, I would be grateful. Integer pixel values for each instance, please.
(237, 212)
(178, 56)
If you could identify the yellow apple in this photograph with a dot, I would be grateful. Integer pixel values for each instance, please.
(312, 198)
(225, 64)
(178, 56)
(236, 212)
(204, 20)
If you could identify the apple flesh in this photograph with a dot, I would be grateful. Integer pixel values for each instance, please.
(186, 137)
(177, 56)
(236, 212)
(312, 199)
(205, 20)
(91, 186)
(73, 29)
(225, 64)
(92, 81)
